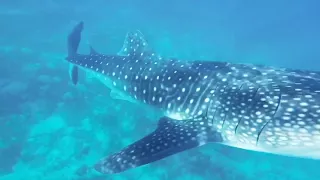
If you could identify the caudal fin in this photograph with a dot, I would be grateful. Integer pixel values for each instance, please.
(74, 39)
(73, 44)
(73, 73)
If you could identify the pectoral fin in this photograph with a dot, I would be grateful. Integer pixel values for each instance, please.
(74, 73)
(170, 137)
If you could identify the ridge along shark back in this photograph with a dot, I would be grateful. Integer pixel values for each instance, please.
(244, 106)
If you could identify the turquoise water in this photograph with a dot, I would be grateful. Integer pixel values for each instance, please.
(51, 129)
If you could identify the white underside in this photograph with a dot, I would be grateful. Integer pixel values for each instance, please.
(292, 151)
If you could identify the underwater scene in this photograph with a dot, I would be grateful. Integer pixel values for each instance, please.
(159, 90)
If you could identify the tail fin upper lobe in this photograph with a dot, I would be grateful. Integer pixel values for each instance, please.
(73, 44)
(74, 39)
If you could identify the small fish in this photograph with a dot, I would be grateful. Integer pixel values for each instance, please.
(251, 107)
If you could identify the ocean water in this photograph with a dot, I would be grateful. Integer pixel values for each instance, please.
(53, 130)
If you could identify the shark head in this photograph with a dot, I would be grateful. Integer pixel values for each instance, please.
(244, 106)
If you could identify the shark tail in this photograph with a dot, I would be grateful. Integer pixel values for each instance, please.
(74, 39)
(73, 44)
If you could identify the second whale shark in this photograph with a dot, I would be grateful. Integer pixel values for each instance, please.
(251, 107)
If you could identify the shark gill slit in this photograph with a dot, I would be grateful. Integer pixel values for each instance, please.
(223, 110)
(228, 113)
(246, 110)
(205, 114)
(275, 111)
(224, 120)
(235, 130)
(215, 110)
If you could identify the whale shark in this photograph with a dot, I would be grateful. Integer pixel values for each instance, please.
(252, 107)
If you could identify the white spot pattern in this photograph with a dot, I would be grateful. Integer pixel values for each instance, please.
(256, 105)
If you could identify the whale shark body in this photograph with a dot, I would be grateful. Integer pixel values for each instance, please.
(251, 107)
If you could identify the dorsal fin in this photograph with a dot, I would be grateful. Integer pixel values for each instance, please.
(93, 51)
(134, 44)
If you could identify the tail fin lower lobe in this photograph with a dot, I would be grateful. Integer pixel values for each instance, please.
(74, 39)
(73, 44)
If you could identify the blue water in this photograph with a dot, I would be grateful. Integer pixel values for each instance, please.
(50, 129)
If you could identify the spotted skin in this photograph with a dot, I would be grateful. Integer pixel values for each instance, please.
(169, 138)
(251, 107)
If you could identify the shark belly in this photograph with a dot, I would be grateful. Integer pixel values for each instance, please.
(295, 128)
(279, 140)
